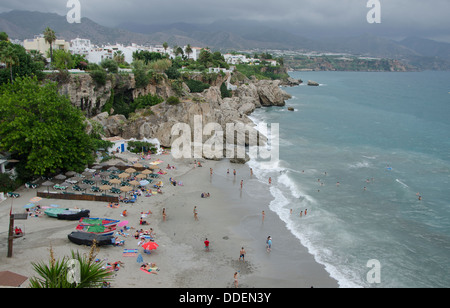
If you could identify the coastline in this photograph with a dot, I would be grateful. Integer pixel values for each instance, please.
(230, 219)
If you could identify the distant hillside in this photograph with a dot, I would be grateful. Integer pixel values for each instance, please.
(226, 35)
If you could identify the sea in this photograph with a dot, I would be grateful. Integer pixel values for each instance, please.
(363, 175)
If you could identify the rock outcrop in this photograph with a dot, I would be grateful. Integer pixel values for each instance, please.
(206, 107)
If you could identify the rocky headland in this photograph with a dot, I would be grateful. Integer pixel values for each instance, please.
(157, 121)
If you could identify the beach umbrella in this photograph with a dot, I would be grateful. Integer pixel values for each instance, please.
(60, 177)
(115, 181)
(113, 168)
(84, 186)
(134, 183)
(124, 175)
(120, 163)
(105, 187)
(126, 188)
(97, 167)
(141, 176)
(146, 172)
(138, 165)
(130, 170)
(150, 245)
(48, 184)
(70, 173)
(123, 223)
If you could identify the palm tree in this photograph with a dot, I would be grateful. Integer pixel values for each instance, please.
(188, 50)
(9, 57)
(165, 46)
(55, 274)
(50, 37)
(119, 57)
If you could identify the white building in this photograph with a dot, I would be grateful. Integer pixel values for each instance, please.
(80, 46)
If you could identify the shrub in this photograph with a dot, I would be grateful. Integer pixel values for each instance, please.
(196, 86)
(99, 76)
(173, 100)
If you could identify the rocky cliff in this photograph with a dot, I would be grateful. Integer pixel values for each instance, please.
(158, 122)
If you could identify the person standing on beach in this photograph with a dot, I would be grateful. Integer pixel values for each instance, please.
(235, 279)
(164, 214)
(195, 213)
(242, 183)
(263, 216)
(269, 244)
(270, 180)
(206, 245)
(242, 254)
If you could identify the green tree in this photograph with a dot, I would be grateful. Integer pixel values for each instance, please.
(188, 50)
(9, 56)
(165, 46)
(50, 38)
(25, 65)
(110, 65)
(41, 128)
(4, 36)
(63, 60)
(119, 57)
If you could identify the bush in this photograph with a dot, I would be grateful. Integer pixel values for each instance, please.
(99, 76)
(173, 100)
(110, 65)
(196, 86)
(224, 91)
(173, 73)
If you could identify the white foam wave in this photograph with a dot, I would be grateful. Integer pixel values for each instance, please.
(359, 165)
(400, 182)
(278, 205)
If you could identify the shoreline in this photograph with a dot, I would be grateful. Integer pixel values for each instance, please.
(230, 219)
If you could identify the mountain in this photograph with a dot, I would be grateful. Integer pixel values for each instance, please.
(427, 48)
(226, 35)
(23, 25)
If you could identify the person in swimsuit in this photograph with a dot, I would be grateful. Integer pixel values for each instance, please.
(242, 254)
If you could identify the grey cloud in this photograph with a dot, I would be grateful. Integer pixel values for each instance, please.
(400, 17)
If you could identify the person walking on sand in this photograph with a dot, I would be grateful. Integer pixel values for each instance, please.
(164, 214)
(236, 279)
(206, 242)
(269, 244)
(242, 183)
(195, 213)
(263, 216)
(242, 254)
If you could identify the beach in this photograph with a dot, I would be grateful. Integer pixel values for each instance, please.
(231, 218)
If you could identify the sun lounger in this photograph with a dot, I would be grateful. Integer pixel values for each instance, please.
(13, 195)
(59, 187)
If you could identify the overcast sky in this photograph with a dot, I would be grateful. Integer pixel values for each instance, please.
(399, 18)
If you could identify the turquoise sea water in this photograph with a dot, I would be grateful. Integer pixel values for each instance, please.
(357, 153)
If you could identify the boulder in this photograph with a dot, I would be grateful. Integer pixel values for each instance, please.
(313, 83)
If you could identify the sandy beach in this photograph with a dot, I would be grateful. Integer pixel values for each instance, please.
(230, 218)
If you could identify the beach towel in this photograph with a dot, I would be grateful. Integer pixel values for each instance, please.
(130, 252)
(153, 269)
(140, 259)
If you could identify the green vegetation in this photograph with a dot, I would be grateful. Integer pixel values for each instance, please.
(342, 63)
(55, 273)
(141, 146)
(196, 86)
(42, 129)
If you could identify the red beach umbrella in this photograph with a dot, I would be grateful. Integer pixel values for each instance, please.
(150, 246)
